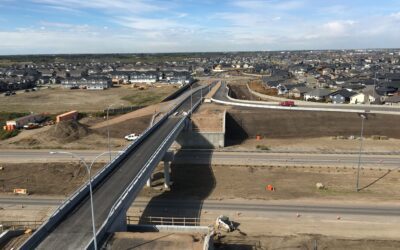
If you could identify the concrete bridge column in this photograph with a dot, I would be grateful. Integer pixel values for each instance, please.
(148, 183)
(166, 174)
(167, 159)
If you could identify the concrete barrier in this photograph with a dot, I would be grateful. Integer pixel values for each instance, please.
(71, 202)
(126, 198)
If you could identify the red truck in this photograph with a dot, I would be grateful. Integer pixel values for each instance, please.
(287, 104)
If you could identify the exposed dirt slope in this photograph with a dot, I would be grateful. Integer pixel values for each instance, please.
(243, 123)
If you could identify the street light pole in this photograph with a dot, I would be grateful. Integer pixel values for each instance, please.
(191, 99)
(363, 117)
(89, 170)
(108, 131)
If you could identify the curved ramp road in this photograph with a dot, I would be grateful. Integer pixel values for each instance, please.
(222, 97)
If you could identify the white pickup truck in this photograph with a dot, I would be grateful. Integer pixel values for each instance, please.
(132, 137)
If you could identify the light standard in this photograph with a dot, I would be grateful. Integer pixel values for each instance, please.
(363, 117)
(191, 99)
(88, 169)
(108, 131)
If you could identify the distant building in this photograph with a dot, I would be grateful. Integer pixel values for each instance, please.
(341, 96)
(317, 94)
(143, 77)
(69, 116)
(20, 122)
(91, 83)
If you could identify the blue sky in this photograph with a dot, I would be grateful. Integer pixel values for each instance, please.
(135, 26)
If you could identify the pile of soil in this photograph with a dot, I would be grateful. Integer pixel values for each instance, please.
(68, 131)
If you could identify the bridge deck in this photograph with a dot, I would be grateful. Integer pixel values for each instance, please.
(75, 231)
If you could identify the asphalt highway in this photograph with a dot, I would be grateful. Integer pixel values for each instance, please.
(378, 160)
(222, 92)
(75, 231)
(257, 158)
(248, 206)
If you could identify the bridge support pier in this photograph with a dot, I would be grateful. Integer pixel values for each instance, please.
(148, 183)
(167, 159)
(166, 174)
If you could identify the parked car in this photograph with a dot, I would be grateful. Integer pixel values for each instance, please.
(287, 104)
(31, 126)
(132, 137)
(8, 93)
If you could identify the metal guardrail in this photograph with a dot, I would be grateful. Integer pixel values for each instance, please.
(170, 221)
(79, 195)
(139, 179)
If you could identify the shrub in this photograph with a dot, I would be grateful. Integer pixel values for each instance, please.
(8, 134)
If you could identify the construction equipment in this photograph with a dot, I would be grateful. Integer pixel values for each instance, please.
(223, 223)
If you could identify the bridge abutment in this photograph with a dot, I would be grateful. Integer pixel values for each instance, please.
(205, 130)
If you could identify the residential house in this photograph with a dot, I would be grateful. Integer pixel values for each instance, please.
(120, 77)
(92, 83)
(368, 96)
(317, 94)
(143, 77)
(284, 88)
(341, 96)
(298, 92)
(393, 100)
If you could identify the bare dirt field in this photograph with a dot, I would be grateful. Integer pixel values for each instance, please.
(303, 242)
(44, 178)
(219, 182)
(169, 240)
(224, 182)
(243, 123)
(57, 100)
(77, 135)
(61, 136)
(322, 144)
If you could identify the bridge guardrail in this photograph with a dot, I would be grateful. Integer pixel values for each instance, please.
(139, 180)
(78, 195)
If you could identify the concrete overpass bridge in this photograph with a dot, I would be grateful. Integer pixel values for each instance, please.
(115, 187)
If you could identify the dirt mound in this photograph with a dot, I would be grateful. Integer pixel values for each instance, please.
(68, 131)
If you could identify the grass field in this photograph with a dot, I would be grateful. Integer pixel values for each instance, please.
(57, 100)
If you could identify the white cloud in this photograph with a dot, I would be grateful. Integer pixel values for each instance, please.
(395, 16)
(112, 6)
(269, 4)
(335, 28)
(146, 23)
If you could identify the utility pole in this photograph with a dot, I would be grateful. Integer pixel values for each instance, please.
(363, 117)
